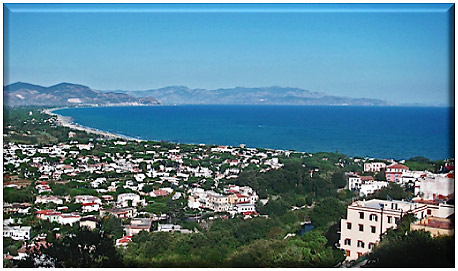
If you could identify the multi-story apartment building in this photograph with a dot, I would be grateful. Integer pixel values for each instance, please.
(394, 172)
(353, 181)
(374, 166)
(367, 220)
(219, 203)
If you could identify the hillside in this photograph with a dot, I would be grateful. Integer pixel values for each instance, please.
(66, 94)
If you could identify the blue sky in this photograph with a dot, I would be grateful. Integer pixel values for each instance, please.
(394, 52)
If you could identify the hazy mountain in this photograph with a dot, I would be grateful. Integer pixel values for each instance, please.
(66, 94)
(241, 95)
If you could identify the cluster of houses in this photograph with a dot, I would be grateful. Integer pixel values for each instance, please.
(427, 185)
(234, 200)
(53, 169)
(367, 221)
(173, 172)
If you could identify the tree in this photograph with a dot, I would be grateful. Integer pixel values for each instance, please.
(338, 179)
(380, 176)
(147, 188)
(326, 211)
(112, 226)
(393, 190)
(84, 249)
(157, 208)
(18, 195)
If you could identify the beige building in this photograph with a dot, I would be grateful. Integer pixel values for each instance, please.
(219, 203)
(137, 225)
(367, 220)
(434, 225)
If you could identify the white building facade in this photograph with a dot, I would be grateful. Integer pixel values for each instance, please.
(367, 220)
(374, 166)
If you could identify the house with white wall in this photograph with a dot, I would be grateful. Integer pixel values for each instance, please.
(366, 221)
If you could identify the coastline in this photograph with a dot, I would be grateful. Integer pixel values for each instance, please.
(68, 122)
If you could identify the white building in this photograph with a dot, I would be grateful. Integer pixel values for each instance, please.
(434, 187)
(17, 232)
(244, 208)
(369, 187)
(90, 207)
(412, 176)
(87, 199)
(197, 198)
(374, 166)
(353, 181)
(126, 199)
(48, 199)
(68, 218)
(171, 228)
(367, 220)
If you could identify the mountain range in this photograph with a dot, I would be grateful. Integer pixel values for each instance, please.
(241, 95)
(66, 94)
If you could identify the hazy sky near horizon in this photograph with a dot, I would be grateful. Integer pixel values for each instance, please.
(395, 52)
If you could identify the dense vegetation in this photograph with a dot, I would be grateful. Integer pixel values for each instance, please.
(405, 248)
(27, 125)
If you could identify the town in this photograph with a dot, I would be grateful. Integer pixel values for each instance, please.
(129, 187)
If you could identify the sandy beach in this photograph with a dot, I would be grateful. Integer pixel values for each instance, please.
(68, 122)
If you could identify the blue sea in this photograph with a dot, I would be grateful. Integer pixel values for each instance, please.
(380, 132)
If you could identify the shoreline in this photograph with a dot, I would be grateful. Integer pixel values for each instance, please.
(68, 122)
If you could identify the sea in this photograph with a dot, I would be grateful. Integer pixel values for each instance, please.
(357, 131)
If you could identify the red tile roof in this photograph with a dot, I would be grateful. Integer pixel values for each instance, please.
(89, 203)
(367, 178)
(398, 166)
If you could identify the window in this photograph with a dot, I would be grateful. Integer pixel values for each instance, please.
(371, 245)
(360, 254)
(373, 229)
(390, 219)
(349, 225)
(428, 211)
(373, 217)
(361, 227)
(347, 253)
(347, 242)
(396, 220)
(361, 215)
(360, 244)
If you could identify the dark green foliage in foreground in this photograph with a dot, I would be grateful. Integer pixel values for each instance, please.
(405, 248)
(232, 243)
(111, 226)
(84, 249)
(308, 251)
